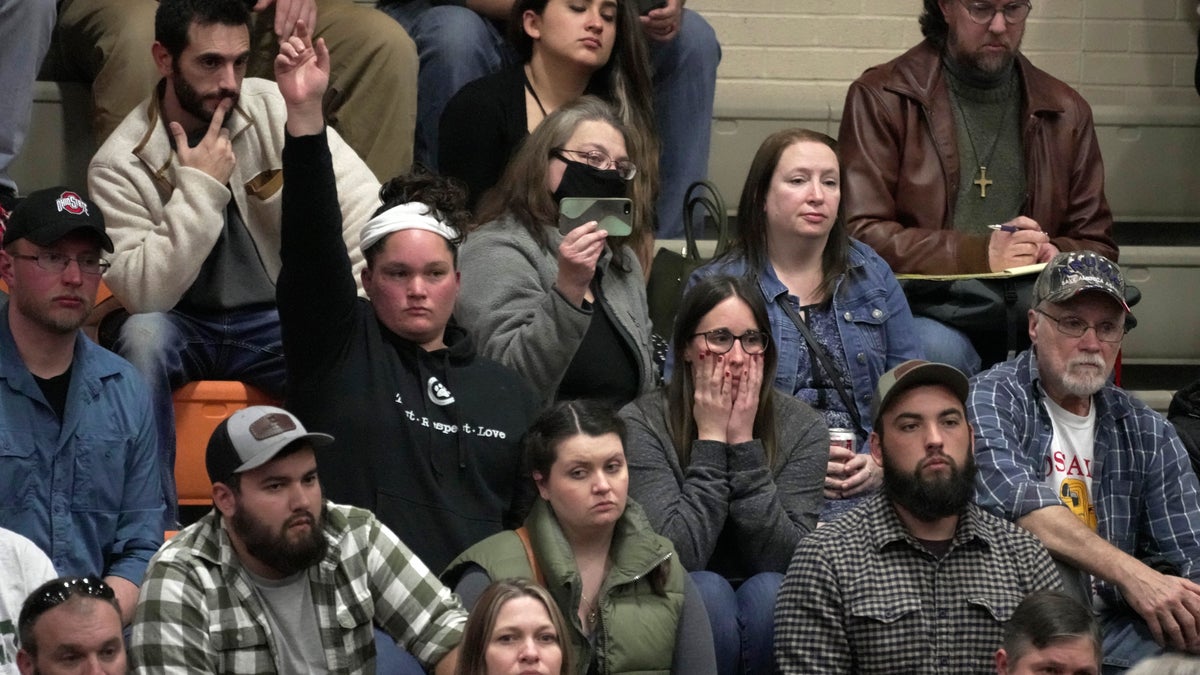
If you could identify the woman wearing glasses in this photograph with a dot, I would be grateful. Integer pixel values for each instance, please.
(567, 48)
(567, 311)
(726, 469)
(836, 310)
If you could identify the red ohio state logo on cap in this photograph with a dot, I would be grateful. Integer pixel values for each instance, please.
(71, 203)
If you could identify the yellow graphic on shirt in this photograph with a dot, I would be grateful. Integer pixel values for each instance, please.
(1074, 495)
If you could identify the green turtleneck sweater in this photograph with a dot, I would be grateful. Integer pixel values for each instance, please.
(987, 120)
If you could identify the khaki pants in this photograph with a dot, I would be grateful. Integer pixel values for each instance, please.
(372, 97)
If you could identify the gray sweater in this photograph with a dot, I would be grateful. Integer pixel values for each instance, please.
(510, 305)
(728, 512)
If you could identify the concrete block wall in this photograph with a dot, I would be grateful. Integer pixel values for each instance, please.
(782, 53)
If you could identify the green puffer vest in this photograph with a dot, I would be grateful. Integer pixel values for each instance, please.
(635, 633)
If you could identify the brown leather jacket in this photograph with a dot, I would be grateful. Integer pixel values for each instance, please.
(900, 161)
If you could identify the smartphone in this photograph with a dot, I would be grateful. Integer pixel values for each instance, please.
(647, 6)
(614, 215)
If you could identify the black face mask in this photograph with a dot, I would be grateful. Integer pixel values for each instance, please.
(581, 180)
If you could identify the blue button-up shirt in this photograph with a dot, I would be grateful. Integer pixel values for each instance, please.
(874, 321)
(85, 490)
(1146, 495)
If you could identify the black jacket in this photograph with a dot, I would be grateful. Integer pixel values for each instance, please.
(429, 441)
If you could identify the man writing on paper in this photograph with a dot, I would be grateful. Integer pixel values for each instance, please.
(961, 132)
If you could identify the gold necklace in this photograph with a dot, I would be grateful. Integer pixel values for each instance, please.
(593, 609)
(983, 181)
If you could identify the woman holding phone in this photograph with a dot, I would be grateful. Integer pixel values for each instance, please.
(568, 311)
(568, 48)
(837, 312)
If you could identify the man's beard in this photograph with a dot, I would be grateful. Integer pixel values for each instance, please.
(930, 499)
(978, 64)
(59, 323)
(1083, 383)
(191, 101)
(275, 549)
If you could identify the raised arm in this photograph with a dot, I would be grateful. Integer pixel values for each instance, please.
(316, 289)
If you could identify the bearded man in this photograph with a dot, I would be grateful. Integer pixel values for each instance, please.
(1098, 476)
(960, 134)
(191, 183)
(917, 579)
(294, 583)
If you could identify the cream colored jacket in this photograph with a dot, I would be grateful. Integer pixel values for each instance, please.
(165, 218)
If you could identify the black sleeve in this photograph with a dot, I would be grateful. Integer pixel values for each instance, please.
(476, 133)
(316, 291)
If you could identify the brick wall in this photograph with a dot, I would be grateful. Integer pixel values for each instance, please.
(779, 54)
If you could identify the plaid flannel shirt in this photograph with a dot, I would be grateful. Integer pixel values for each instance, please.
(1146, 495)
(198, 612)
(863, 596)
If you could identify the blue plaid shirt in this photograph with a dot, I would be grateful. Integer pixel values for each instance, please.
(1145, 492)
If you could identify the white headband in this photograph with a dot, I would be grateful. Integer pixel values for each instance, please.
(407, 216)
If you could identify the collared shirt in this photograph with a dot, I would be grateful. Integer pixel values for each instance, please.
(86, 490)
(198, 609)
(874, 321)
(1146, 495)
(863, 596)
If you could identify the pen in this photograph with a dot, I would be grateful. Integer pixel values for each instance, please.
(1003, 228)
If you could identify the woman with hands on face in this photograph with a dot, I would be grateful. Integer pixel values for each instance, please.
(567, 311)
(727, 469)
(792, 242)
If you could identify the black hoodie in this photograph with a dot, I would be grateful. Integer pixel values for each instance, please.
(429, 441)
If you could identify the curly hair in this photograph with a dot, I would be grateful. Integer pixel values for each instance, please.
(446, 198)
(933, 24)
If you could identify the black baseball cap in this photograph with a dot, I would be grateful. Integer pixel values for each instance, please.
(45, 216)
(253, 436)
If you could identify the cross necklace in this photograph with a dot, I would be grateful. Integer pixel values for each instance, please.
(983, 181)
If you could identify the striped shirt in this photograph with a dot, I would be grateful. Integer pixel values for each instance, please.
(198, 611)
(863, 596)
(1146, 495)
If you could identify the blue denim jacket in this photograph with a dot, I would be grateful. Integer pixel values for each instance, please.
(87, 492)
(876, 328)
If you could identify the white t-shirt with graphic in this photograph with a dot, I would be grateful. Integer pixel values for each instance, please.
(23, 567)
(1072, 455)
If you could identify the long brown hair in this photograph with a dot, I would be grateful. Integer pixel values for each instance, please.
(624, 82)
(697, 303)
(522, 190)
(751, 240)
(477, 634)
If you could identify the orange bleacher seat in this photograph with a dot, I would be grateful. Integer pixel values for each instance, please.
(199, 408)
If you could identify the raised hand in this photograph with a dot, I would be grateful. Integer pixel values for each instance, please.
(577, 257)
(214, 153)
(302, 73)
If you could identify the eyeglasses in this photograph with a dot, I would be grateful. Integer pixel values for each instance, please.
(720, 341)
(600, 160)
(1073, 326)
(54, 593)
(57, 262)
(983, 13)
